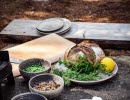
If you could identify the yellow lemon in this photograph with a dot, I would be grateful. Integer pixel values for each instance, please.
(109, 63)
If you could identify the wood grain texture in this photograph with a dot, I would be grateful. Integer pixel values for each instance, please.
(103, 31)
(50, 47)
(107, 35)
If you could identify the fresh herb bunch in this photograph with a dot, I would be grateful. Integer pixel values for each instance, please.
(69, 74)
(82, 65)
(34, 68)
(81, 70)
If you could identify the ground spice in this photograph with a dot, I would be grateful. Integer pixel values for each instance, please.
(46, 86)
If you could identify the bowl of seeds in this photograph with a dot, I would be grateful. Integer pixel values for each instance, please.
(33, 67)
(49, 85)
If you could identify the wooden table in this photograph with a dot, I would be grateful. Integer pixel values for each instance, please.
(107, 35)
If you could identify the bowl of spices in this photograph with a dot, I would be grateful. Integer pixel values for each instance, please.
(49, 85)
(29, 96)
(33, 67)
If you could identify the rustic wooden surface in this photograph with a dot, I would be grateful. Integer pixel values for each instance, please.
(108, 35)
(40, 48)
(103, 31)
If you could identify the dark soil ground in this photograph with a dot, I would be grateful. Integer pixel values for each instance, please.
(75, 10)
(111, 11)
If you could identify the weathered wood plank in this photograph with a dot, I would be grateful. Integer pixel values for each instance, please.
(105, 31)
(108, 35)
(21, 27)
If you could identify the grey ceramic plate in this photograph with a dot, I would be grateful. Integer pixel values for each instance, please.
(50, 25)
(104, 77)
(66, 27)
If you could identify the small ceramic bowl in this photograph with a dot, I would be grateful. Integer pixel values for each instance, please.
(37, 61)
(29, 96)
(46, 78)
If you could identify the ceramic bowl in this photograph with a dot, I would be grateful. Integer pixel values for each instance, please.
(45, 78)
(37, 61)
(29, 96)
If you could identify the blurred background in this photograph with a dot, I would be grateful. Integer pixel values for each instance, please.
(75, 10)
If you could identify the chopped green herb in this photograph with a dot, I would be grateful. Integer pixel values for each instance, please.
(34, 68)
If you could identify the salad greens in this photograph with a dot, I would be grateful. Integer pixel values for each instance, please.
(81, 70)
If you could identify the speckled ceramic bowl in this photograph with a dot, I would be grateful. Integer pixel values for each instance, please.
(37, 61)
(29, 96)
(45, 78)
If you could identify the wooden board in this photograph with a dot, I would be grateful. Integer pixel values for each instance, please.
(82, 30)
(107, 35)
(50, 47)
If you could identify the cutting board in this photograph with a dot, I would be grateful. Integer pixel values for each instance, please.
(50, 47)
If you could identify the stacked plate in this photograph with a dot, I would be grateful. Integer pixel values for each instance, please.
(54, 25)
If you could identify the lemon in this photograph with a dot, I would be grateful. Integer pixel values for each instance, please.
(109, 64)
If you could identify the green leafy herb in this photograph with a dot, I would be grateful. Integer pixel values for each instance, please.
(81, 70)
(69, 74)
(34, 68)
(82, 65)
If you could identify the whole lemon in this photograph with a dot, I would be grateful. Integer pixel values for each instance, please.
(109, 64)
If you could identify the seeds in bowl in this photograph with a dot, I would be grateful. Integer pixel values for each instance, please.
(34, 68)
(46, 86)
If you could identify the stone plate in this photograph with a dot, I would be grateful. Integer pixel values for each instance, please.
(66, 27)
(50, 25)
(104, 77)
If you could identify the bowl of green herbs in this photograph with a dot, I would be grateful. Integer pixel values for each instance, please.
(83, 72)
(33, 67)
